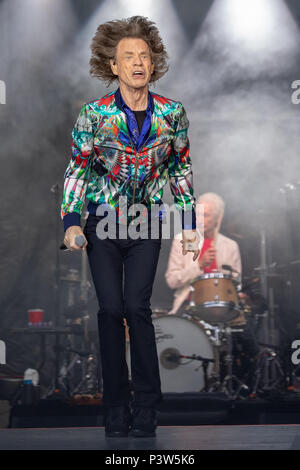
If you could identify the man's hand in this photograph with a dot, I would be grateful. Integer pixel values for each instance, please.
(208, 257)
(190, 242)
(70, 235)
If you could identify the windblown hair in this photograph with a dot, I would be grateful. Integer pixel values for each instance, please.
(104, 46)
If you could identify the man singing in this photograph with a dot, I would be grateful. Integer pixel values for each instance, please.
(128, 144)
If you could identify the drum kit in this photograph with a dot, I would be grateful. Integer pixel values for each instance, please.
(194, 347)
(197, 346)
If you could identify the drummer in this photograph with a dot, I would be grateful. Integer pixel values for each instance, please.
(217, 251)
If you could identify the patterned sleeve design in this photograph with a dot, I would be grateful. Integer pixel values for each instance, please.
(78, 171)
(180, 172)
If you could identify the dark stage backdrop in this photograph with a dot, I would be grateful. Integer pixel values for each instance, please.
(233, 70)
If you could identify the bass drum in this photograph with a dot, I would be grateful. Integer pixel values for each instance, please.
(177, 336)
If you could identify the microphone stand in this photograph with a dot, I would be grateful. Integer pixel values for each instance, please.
(205, 363)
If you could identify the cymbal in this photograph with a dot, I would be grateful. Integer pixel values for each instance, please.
(236, 235)
(272, 275)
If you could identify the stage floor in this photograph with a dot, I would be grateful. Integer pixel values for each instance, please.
(250, 437)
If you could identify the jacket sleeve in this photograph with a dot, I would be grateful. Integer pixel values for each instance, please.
(180, 172)
(177, 275)
(78, 170)
(236, 261)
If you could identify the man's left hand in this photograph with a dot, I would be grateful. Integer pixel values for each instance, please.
(190, 242)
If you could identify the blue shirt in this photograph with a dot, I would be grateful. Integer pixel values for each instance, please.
(138, 138)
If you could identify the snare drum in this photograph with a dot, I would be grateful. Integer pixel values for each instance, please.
(214, 298)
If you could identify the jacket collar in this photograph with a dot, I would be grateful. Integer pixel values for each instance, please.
(120, 102)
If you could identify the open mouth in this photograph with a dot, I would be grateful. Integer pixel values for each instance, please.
(138, 74)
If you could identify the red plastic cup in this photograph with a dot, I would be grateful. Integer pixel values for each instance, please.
(35, 316)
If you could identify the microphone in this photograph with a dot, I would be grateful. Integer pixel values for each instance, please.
(79, 240)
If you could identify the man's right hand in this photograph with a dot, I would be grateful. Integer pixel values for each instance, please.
(70, 234)
(207, 258)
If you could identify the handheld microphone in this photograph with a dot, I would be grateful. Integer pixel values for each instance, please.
(79, 240)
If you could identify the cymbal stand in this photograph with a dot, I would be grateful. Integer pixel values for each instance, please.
(269, 372)
(84, 285)
(267, 291)
(78, 374)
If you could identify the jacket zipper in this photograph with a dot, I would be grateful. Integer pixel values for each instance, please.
(137, 160)
(136, 165)
(134, 149)
(144, 145)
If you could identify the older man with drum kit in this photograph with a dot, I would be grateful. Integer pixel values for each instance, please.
(207, 292)
(217, 252)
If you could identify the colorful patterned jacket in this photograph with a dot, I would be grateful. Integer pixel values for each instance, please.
(104, 164)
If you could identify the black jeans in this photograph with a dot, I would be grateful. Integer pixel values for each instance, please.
(123, 272)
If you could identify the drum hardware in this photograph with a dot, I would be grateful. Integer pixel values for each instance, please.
(204, 363)
(237, 277)
(214, 333)
(55, 189)
(268, 361)
(176, 346)
(269, 371)
(219, 335)
(230, 379)
(43, 332)
(77, 371)
(177, 339)
(192, 303)
(231, 385)
(79, 376)
(295, 379)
